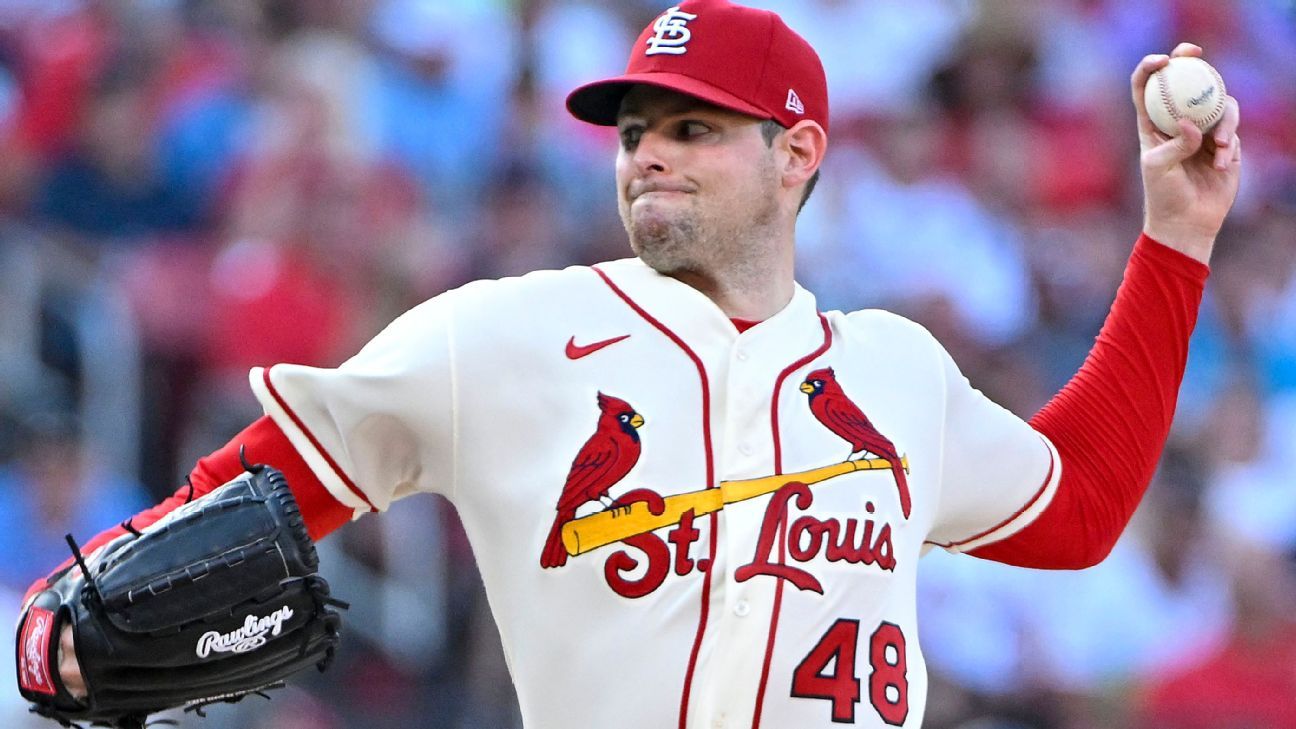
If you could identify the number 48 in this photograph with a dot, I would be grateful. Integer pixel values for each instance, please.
(888, 682)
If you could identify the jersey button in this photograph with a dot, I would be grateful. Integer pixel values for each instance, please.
(745, 449)
(742, 355)
(742, 608)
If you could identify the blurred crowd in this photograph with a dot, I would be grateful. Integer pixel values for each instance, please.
(189, 188)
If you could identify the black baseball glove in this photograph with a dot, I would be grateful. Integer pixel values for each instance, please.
(218, 599)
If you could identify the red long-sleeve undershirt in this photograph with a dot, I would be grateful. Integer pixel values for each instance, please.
(1109, 424)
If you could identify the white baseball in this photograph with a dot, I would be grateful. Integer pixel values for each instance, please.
(1186, 88)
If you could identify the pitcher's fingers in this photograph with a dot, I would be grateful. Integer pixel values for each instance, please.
(1174, 151)
(1138, 83)
(1187, 49)
(1228, 124)
(1223, 155)
(69, 669)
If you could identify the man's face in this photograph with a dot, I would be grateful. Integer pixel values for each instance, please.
(694, 182)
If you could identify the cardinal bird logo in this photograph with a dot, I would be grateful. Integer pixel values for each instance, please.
(843, 417)
(604, 460)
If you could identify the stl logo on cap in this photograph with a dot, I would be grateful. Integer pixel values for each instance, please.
(671, 33)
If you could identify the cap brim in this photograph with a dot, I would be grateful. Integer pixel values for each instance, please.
(599, 102)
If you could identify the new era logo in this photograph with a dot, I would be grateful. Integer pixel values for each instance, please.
(794, 103)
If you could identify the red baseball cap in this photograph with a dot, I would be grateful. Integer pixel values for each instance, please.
(744, 59)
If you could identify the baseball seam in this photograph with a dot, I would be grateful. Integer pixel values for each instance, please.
(1218, 111)
(1166, 100)
(1173, 109)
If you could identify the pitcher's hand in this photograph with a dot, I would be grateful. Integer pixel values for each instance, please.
(1189, 181)
(69, 669)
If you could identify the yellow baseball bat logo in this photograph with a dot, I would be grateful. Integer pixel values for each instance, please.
(622, 522)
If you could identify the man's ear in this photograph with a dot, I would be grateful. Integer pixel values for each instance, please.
(805, 143)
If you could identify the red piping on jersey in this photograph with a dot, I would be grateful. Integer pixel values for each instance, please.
(778, 471)
(778, 385)
(710, 481)
(1048, 477)
(314, 442)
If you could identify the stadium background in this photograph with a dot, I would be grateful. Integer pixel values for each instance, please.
(192, 187)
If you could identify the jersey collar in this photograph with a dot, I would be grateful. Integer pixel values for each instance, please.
(697, 320)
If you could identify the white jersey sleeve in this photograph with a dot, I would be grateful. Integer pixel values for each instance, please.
(382, 425)
(997, 473)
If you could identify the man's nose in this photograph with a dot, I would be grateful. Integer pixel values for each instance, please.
(652, 153)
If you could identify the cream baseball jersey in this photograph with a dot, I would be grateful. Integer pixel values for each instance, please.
(678, 524)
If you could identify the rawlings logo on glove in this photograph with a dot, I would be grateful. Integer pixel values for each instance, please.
(34, 674)
(247, 638)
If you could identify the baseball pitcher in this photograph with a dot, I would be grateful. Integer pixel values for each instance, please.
(696, 500)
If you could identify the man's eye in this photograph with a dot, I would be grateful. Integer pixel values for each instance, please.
(630, 137)
(694, 129)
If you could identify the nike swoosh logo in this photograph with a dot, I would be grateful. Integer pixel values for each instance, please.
(576, 351)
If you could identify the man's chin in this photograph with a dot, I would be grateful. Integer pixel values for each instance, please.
(661, 242)
(661, 255)
(668, 259)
